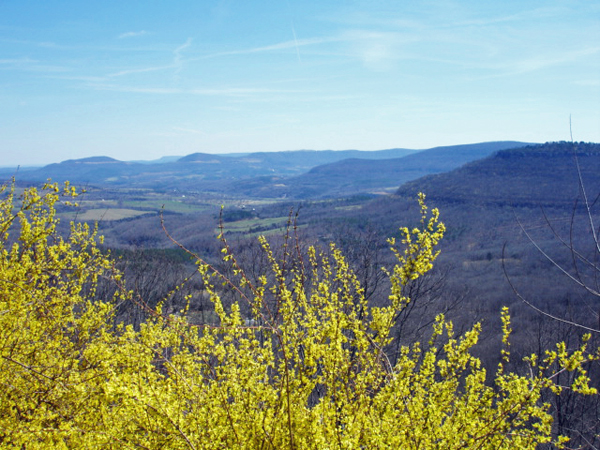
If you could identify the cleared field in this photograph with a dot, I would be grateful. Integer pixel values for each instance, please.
(177, 206)
(93, 215)
(253, 224)
(257, 227)
(348, 207)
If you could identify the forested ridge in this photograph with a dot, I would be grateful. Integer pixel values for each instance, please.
(300, 174)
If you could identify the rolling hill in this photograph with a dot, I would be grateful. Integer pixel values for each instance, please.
(191, 171)
(494, 208)
(541, 175)
(356, 175)
(291, 174)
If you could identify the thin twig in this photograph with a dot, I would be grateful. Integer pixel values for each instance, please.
(528, 303)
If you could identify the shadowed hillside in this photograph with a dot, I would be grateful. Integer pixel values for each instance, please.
(490, 207)
(529, 176)
(351, 176)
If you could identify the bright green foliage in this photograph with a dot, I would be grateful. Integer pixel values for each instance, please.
(307, 371)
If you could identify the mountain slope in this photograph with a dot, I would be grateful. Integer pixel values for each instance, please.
(493, 209)
(191, 171)
(293, 174)
(533, 175)
(355, 175)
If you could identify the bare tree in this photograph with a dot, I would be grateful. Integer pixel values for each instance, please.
(578, 261)
(583, 267)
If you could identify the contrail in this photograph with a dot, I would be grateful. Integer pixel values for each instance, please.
(177, 52)
(294, 32)
(296, 43)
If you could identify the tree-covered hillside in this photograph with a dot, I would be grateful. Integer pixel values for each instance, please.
(295, 358)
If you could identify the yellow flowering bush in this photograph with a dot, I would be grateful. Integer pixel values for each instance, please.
(307, 370)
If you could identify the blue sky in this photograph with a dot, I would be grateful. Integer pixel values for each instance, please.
(145, 79)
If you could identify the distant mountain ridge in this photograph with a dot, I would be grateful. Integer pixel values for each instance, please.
(291, 174)
(106, 170)
(201, 157)
(532, 175)
(350, 176)
(92, 160)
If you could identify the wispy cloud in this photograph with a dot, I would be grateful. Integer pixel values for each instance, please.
(189, 130)
(90, 79)
(587, 82)
(296, 42)
(444, 14)
(243, 92)
(528, 15)
(141, 70)
(543, 62)
(373, 49)
(30, 65)
(539, 62)
(226, 92)
(18, 61)
(42, 44)
(177, 55)
(293, 44)
(177, 63)
(130, 34)
(135, 89)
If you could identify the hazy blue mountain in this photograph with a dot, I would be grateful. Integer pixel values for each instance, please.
(298, 174)
(355, 175)
(164, 159)
(84, 170)
(204, 158)
(187, 171)
(304, 160)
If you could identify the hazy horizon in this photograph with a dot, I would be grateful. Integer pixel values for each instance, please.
(249, 153)
(140, 81)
